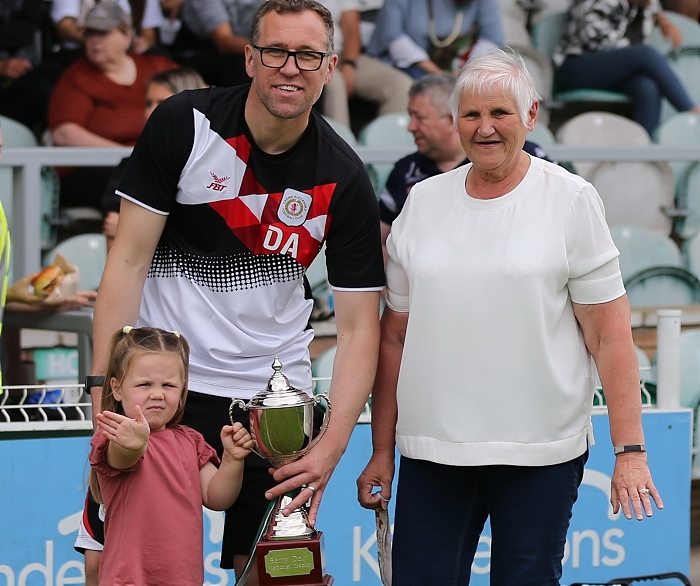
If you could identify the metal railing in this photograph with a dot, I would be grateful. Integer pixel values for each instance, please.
(27, 163)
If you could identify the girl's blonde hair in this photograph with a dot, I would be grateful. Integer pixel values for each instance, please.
(125, 345)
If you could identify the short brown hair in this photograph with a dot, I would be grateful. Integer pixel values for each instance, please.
(285, 6)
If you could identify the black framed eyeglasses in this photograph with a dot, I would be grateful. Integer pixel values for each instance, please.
(276, 58)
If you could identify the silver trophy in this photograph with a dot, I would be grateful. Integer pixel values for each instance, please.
(281, 422)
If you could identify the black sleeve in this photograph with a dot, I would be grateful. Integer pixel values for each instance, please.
(353, 248)
(152, 174)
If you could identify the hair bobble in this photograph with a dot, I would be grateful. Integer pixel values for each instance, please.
(176, 334)
(127, 329)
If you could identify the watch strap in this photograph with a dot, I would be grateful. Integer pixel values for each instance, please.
(93, 381)
(631, 448)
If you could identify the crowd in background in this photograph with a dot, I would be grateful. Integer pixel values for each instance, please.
(75, 72)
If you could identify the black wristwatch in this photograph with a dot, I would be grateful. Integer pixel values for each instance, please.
(93, 381)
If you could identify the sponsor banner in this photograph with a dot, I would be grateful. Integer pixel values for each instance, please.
(43, 483)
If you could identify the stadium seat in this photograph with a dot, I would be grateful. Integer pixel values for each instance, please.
(688, 201)
(387, 130)
(663, 287)
(686, 63)
(16, 135)
(638, 193)
(88, 252)
(641, 249)
(691, 255)
(652, 269)
(542, 135)
(322, 367)
(681, 128)
(600, 128)
(343, 131)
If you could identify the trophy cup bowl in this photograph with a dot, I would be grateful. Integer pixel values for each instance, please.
(281, 423)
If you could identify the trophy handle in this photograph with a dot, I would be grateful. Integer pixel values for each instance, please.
(241, 405)
(326, 418)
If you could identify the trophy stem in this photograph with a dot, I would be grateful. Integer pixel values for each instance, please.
(295, 526)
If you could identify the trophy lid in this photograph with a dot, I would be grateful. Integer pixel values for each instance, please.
(279, 393)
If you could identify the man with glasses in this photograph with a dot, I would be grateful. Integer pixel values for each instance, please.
(226, 200)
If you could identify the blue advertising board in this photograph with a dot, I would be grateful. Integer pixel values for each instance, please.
(43, 487)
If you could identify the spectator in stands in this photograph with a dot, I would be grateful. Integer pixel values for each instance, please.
(213, 37)
(359, 74)
(160, 87)
(98, 101)
(429, 36)
(502, 283)
(604, 47)
(69, 20)
(439, 146)
(25, 83)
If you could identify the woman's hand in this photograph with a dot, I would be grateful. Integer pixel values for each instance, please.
(20, 298)
(378, 472)
(632, 483)
(669, 30)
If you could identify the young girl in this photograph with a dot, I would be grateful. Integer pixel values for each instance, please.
(152, 474)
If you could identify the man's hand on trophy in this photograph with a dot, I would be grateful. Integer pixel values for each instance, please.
(379, 472)
(313, 470)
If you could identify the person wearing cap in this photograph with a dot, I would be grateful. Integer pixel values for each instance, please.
(98, 101)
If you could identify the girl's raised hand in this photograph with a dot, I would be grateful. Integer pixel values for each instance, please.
(236, 441)
(128, 433)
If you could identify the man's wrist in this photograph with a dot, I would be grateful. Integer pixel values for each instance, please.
(351, 62)
(93, 381)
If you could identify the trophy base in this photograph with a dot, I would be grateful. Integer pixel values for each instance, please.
(292, 562)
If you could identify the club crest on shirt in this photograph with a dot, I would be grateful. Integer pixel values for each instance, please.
(294, 207)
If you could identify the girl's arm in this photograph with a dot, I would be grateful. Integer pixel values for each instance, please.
(220, 487)
(128, 438)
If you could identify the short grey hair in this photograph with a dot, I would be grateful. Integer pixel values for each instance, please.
(501, 72)
(438, 88)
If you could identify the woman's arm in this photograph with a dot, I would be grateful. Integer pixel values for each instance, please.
(72, 134)
(669, 30)
(226, 42)
(608, 336)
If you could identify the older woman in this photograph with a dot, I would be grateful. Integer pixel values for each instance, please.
(510, 277)
(98, 101)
